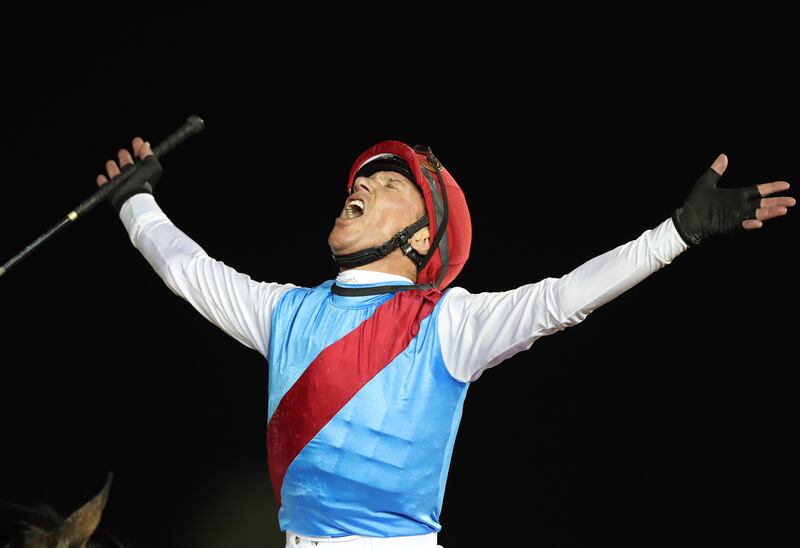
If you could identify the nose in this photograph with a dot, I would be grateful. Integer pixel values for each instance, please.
(361, 183)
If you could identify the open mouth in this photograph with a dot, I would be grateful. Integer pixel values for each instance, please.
(354, 209)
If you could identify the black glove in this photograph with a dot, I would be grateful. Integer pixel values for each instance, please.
(144, 180)
(710, 211)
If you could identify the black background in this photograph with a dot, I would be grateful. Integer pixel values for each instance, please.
(666, 419)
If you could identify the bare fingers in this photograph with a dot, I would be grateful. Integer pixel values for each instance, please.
(124, 157)
(112, 169)
(766, 189)
(764, 214)
(770, 207)
(785, 201)
(136, 145)
(751, 224)
(141, 149)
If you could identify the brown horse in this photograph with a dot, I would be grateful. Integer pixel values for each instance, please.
(45, 529)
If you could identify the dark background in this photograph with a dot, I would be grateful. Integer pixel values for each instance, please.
(666, 419)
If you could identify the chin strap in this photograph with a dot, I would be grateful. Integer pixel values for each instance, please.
(366, 256)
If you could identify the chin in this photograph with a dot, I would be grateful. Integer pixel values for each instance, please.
(338, 242)
(343, 240)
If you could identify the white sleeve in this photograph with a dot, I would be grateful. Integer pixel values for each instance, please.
(478, 331)
(232, 301)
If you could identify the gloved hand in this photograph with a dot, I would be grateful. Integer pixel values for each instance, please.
(148, 171)
(710, 211)
(144, 180)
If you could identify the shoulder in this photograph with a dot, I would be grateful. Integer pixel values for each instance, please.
(454, 293)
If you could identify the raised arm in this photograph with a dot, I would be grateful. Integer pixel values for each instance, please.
(235, 303)
(478, 331)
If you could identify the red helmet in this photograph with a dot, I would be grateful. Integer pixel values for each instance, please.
(448, 215)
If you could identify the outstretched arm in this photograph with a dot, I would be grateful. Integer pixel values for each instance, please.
(239, 306)
(478, 331)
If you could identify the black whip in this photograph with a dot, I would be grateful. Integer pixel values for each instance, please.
(194, 124)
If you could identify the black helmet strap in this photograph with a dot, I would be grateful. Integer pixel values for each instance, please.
(366, 256)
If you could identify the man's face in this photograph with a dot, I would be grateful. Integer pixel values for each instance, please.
(380, 206)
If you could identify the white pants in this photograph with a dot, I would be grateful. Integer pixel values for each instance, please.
(293, 540)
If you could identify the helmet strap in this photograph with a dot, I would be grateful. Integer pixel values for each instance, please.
(399, 240)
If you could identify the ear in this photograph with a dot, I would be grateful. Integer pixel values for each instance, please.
(421, 240)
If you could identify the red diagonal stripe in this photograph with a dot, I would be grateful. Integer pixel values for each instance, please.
(338, 373)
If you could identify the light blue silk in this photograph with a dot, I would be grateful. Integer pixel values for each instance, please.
(379, 467)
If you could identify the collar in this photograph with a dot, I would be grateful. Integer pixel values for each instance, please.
(361, 283)
(359, 277)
